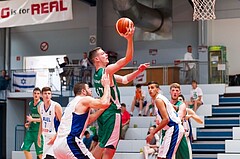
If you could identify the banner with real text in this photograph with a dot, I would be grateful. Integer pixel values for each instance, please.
(30, 12)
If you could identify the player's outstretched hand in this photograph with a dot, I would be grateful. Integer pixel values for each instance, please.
(105, 80)
(130, 32)
(143, 67)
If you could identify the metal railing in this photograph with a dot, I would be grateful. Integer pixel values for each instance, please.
(19, 136)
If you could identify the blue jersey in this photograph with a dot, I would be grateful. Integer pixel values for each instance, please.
(73, 125)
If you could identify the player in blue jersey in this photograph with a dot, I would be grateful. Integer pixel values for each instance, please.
(75, 119)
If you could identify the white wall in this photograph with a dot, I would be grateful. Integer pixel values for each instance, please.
(226, 32)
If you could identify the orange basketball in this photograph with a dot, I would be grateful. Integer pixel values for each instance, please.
(122, 25)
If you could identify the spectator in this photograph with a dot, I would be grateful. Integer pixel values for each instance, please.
(66, 72)
(149, 109)
(139, 100)
(4, 80)
(189, 67)
(196, 97)
(87, 140)
(151, 147)
(125, 120)
(86, 68)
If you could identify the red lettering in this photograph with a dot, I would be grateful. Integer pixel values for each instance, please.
(61, 6)
(5, 13)
(44, 7)
(48, 7)
(35, 7)
(53, 5)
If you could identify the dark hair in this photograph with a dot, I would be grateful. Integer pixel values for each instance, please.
(194, 81)
(153, 82)
(189, 46)
(123, 104)
(4, 71)
(153, 126)
(95, 138)
(86, 132)
(45, 89)
(92, 54)
(78, 87)
(37, 89)
(138, 86)
(65, 57)
(182, 97)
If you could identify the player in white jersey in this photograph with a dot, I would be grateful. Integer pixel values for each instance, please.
(168, 121)
(51, 113)
(68, 144)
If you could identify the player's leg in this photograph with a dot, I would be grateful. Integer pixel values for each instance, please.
(27, 143)
(110, 138)
(108, 153)
(97, 152)
(27, 154)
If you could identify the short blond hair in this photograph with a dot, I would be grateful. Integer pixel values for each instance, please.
(175, 85)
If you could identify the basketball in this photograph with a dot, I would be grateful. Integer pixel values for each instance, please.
(122, 24)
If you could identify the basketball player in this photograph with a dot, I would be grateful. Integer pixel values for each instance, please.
(110, 121)
(168, 121)
(68, 144)
(51, 113)
(188, 127)
(32, 125)
(181, 108)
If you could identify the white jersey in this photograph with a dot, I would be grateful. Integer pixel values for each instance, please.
(68, 119)
(49, 123)
(68, 144)
(173, 116)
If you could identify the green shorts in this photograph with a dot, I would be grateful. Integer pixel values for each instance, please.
(183, 150)
(109, 129)
(30, 138)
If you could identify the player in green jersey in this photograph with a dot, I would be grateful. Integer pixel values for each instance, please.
(180, 107)
(110, 121)
(32, 125)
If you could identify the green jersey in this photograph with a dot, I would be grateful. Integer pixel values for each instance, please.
(34, 126)
(115, 94)
(178, 103)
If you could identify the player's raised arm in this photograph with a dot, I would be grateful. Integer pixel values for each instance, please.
(113, 68)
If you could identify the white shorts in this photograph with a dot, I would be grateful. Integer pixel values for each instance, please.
(47, 149)
(71, 150)
(171, 140)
